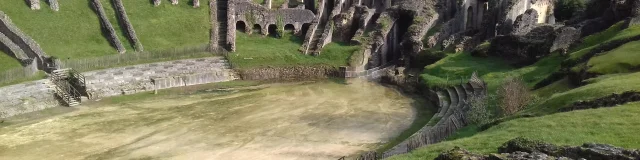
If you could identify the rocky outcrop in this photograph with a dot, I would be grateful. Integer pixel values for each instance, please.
(525, 22)
(107, 27)
(525, 149)
(124, 19)
(524, 49)
(608, 101)
(565, 37)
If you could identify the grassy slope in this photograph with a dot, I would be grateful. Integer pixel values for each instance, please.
(570, 128)
(599, 87)
(611, 34)
(492, 70)
(7, 62)
(74, 31)
(623, 59)
(258, 51)
(168, 26)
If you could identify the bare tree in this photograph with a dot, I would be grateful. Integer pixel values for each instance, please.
(513, 95)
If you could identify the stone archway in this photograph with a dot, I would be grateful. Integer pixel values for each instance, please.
(289, 27)
(273, 31)
(241, 26)
(256, 29)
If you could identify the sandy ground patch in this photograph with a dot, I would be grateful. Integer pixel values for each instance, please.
(323, 120)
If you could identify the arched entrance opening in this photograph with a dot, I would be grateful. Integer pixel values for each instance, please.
(241, 26)
(273, 31)
(305, 29)
(469, 18)
(256, 28)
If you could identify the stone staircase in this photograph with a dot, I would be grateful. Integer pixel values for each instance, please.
(67, 84)
(453, 105)
(314, 45)
(222, 6)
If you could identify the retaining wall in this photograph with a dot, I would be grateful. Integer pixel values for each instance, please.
(28, 45)
(144, 77)
(26, 97)
(289, 73)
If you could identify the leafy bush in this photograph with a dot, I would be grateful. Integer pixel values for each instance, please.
(479, 112)
(513, 96)
(566, 9)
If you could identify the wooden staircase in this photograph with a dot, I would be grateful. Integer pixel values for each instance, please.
(66, 84)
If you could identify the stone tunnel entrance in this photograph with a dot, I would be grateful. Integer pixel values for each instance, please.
(273, 31)
(395, 48)
(257, 29)
(240, 26)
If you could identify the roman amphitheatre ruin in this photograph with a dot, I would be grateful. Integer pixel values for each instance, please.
(320, 79)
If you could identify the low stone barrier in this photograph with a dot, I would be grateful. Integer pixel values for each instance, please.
(289, 73)
(54, 5)
(26, 97)
(146, 77)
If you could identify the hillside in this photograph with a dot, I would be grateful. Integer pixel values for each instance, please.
(612, 71)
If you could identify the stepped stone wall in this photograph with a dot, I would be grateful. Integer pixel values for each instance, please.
(106, 25)
(147, 77)
(131, 33)
(28, 45)
(26, 97)
(12, 48)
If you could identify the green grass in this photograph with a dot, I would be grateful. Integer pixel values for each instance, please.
(492, 70)
(599, 37)
(7, 62)
(258, 51)
(74, 31)
(617, 126)
(168, 26)
(623, 59)
(597, 88)
(611, 34)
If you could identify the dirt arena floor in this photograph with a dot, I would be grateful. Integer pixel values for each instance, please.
(322, 120)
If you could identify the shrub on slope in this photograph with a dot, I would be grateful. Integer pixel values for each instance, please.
(570, 128)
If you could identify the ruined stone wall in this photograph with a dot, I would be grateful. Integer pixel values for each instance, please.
(106, 26)
(34, 4)
(54, 5)
(28, 45)
(12, 48)
(312, 31)
(26, 97)
(265, 17)
(289, 73)
(544, 8)
(124, 19)
(146, 77)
